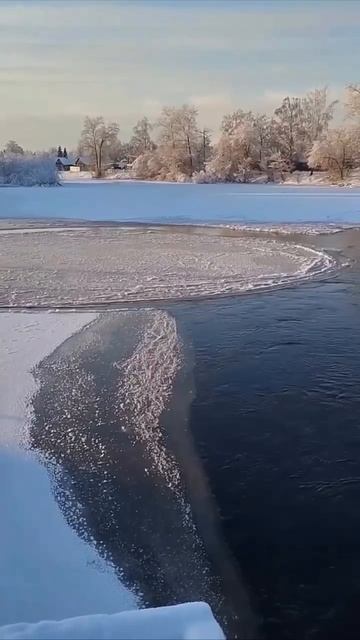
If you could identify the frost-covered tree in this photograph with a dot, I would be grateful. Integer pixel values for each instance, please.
(189, 134)
(141, 141)
(204, 149)
(317, 115)
(97, 139)
(264, 140)
(231, 160)
(290, 131)
(335, 153)
(232, 121)
(252, 140)
(299, 122)
(179, 138)
(14, 148)
(353, 101)
(222, 166)
(65, 154)
(149, 166)
(59, 152)
(113, 151)
(28, 169)
(244, 147)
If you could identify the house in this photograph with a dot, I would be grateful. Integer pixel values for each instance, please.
(71, 164)
(64, 164)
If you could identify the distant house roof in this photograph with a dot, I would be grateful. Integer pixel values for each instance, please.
(82, 160)
(66, 162)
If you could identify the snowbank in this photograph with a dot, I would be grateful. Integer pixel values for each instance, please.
(46, 570)
(193, 621)
(298, 178)
(76, 176)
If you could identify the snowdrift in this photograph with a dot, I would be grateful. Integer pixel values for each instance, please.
(193, 621)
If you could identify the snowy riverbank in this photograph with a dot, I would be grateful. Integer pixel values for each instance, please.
(296, 178)
(47, 571)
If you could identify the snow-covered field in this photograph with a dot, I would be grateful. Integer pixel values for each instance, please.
(46, 571)
(104, 265)
(156, 202)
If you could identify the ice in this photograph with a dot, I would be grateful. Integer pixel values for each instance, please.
(24, 341)
(193, 621)
(103, 265)
(46, 571)
(146, 385)
(139, 201)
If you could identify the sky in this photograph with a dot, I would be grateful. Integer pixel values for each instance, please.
(61, 60)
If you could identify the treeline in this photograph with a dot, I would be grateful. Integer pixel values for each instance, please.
(299, 135)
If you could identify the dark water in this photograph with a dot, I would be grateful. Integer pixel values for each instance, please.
(107, 481)
(276, 421)
(267, 435)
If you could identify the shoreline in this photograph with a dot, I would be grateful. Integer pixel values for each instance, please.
(297, 179)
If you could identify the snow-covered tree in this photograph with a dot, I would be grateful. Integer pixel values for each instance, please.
(316, 114)
(179, 138)
(264, 140)
(14, 148)
(222, 166)
(290, 131)
(59, 152)
(205, 148)
(252, 140)
(65, 153)
(353, 101)
(148, 166)
(335, 153)
(244, 147)
(27, 169)
(232, 121)
(113, 150)
(97, 140)
(141, 141)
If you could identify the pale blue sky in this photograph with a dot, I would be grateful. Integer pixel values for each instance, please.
(63, 59)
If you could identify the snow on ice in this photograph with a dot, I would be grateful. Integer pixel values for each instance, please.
(154, 202)
(104, 265)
